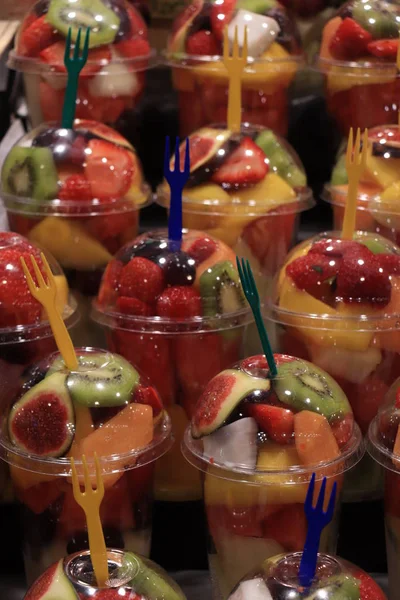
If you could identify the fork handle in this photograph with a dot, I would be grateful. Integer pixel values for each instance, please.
(98, 549)
(235, 103)
(175, 216)
(349, 222)
(69, 107)
(309, 557)
(63, 340)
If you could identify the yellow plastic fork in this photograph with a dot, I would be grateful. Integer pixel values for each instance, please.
(356, 160)
(398, 68)
(90, 501)
(46, 295)
(235, 65)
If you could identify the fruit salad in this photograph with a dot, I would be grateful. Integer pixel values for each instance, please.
(113, 79)
(378, 203)
(335, 579)
(358, 57)
(105, 407)
(247, 190)
(258, 441)
(194, 51)
(133, 578)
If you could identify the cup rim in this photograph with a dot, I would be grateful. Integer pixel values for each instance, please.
(377, 450)
(372, 202)
(350, 455)
(182, 59)
(355, 69)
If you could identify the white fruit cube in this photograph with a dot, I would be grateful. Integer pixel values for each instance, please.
(253, 589)
(261, 31)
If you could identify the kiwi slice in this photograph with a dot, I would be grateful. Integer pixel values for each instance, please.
(220, 290)
(375, 246)
(148, 582)
(103, 22)
(256, 6)
(380, 23)
(304, 386)
(30, 173)
(339, 587)
(280, 159)
(339, 173)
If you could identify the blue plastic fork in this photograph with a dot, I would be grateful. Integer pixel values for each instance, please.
(74, 65)
(177, 180)
(251, 293)
(317, 519)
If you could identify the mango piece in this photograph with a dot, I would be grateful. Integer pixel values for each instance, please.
(271, 192)
(381, 172)
(208, 191)
(69, 243)
(315, 442)
(62, 292)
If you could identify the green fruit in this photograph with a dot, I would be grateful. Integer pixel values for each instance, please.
(30, 173)
(380, 24)
(148, 583)
(303, 386)
(257, 6)
(375, 246)
(102, 21)
(280, 160)
(339, 173)
(339, 587)
(220, 290)
(52, 585)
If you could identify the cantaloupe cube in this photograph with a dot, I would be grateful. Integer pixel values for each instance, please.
(315, 442)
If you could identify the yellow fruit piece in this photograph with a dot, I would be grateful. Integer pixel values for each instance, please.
(62, 292)
(340, 79)
(227, 234)
(271, 192)
(69, 243)
(208, 191)
(381, 172)
(386, 209)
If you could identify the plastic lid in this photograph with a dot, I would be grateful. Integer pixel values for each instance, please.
(246, 424)
(384, 431)
(250, 173)
(330, 284)
(277, 578)
(116, 411)
(89, 170)
(21, 316)
(118, 41)
(153, 285)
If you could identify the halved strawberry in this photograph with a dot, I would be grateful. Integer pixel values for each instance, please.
(313, 273)
(350, 41)
(133, 306)
(109, 169)
(133, 48)
(384, 48)
(221, 15)
(203, 43)
(276, 422)
(202, 248)
(97, 58)
(369, 590)
(246, 165)
(149, 395)
(342, 429)
(36, 37)
(363, 280)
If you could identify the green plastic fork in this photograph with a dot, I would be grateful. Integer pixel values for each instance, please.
(251, 293)
(74, 65)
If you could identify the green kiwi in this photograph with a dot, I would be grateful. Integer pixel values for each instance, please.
(380, 24)
(256, 6)
(304, 386)
(148, 582)
(375, 246)
(339, 173)
(338, 587)
(220, 290)
(280, 159)
(64, 14)
(30, 173)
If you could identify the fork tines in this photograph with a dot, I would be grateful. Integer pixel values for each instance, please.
(318, 513)
(78, 55)
(176, 171)
(356, 154)
(235, 46)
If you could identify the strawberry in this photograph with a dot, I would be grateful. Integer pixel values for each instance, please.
(246, 165)
(133, 48)
(333, 247)
(112, 594)
(362, 280)
(275, 421)
(54, 55)
(390, 263)
(138, 25)
(109, 285)
(203, 43)
(288, 527)
(133, 306)
(142, 279)
(149, 395)
(343, 429)
(369, 590)
(36, 37)
(202, 249)
(350, 41)
(384, 48)
(179, 302)
(75, 187)
(313, 273)
(221, 15)
(109, 168)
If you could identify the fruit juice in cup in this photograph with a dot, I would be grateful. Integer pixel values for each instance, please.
(113, 79)
(358, 59)
(78, 193)
(247, 189)
(378, 203)
(132, 577)
(257, 440)
(336, 579)
(194, 52)
(105, 407)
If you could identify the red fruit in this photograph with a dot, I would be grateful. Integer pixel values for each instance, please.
(312, 271)
(179, 302)
(112, 594)
(288, 527)
(75, 187)
(366, 398)
(369, 590)
(384, 48)
(334, 247)
(113, 230)
(342, 429)
(36, 37)
(109, 169)
(142, 279)
(202, 249)
(362, 280)
(133, 306)
(203, 43)
(138, 25)
(149, 395)
(390, 263)
(246, 165)
(350, 40)
(41, 496)
(97, 58)
(397, 402)
(110, 283)
(221, 15)
(133, 48)
(277, 422)
(43, 583)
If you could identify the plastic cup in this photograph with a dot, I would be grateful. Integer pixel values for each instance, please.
(113, 80)
(255, 475)
(52, 522)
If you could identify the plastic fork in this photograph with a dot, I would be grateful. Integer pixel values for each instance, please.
(235, 65)
(74, 65)
(177, 180)
(251, 293)
(90, 501)
(356, 160)
(46, 293)
(317, 519)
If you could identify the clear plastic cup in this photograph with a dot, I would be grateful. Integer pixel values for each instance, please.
(257, 441)
(194, 52)
(105, 407)
(113, 79)
(358, 59)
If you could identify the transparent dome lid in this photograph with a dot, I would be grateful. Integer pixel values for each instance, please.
(130, 576)
(105, 407)
(383, 434)
(246, 422)
(277, 579)
(241, 173)
(156, 284)
(90, 169)
(19, 311)
(118, 36)
(305, 10)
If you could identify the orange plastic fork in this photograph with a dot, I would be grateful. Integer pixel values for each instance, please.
(356, 160)
(235, 65)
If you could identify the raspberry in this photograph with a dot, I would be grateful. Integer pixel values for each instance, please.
(310, 272)
(202, 248)
(133, 306)
(179, 302)
(362, 280)
(141, 279)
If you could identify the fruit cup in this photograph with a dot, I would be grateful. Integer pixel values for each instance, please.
(113, 79)
(378, 203)
(305, 10)
(358, 59)
(133, 577)
(194, 52)
(76, 192)
(247, 189)
(105, 407)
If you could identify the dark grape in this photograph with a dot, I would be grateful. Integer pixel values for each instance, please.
(151, 249)
(179, 268)
(202, 21)
(257, 397)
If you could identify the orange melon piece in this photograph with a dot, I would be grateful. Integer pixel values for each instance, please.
(24, 480)
(396, 449)
(315, 442)
(328, 34)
